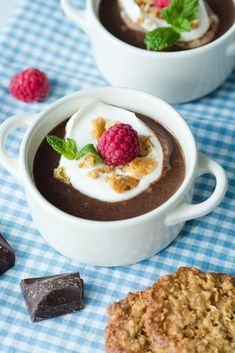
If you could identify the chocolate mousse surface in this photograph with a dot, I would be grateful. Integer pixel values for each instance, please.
(111, 19)
(71, 201)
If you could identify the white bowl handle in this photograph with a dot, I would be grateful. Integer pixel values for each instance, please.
(186, 211)
(77, 16)
(11, 164)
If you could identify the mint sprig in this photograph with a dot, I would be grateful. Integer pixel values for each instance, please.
(68, 148)
(161, 38)
(90, 149)
(179, 15)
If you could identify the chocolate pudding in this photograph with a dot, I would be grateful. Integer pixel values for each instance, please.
(111, 19)
(71, 201)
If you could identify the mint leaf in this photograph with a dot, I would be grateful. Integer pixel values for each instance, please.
(182, 25)
(67, 147)
(161, 38)
(180, 13)
(191, 9)
(90, 149)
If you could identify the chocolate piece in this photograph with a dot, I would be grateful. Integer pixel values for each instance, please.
(7, 256)
(48, 297)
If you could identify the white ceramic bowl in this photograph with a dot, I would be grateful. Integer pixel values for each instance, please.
(116, 242)
(174, 76)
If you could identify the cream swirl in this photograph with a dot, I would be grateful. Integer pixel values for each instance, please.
(150, 22)
(79, 127)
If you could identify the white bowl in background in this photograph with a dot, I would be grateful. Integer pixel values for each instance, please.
(172, 76)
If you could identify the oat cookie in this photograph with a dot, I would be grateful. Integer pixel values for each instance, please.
(125, 332)
(192, 312)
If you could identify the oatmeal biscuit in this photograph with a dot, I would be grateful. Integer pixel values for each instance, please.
(192, 312)
(125, 332)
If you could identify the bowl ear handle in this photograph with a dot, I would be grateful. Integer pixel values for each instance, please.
(77, 16)
(11, 164)
(186, 211)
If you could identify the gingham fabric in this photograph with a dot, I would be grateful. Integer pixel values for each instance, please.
(40, 35)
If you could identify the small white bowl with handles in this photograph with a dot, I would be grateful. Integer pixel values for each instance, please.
(112, 243)
(172, 76)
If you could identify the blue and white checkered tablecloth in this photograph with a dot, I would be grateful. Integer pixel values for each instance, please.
(40, 35)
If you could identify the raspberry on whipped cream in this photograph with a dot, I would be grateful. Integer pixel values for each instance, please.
(119, 145)
(132, 154)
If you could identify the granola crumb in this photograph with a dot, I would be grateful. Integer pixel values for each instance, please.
(120, 183)
(145, 145)
(94, 174)
(87, 162)
(148, 7)
(98, 128)
(140, 19)
(59, 173)
(106, 169)
(140, 167)
(195, 23)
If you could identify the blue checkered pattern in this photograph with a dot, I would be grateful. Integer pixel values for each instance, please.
(40, 35)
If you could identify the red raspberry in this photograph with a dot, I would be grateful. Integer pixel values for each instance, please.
(119, 145)
(162, 3)
(29, 85)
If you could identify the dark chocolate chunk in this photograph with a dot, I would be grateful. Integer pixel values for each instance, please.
(48, 297)
(7, 256)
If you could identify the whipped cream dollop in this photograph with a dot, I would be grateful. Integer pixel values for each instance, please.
(150, 22)
(79, 128)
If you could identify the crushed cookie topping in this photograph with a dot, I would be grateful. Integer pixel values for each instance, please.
(121, 183)
(148, 7)
(98, 128)
(59, 173)
(95, 173)
(195, 23)
(140, 167)
(87, 162)
(146, 145)
(106, 169)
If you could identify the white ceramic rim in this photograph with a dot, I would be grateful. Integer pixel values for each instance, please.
(170, 203)
(144, 52)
